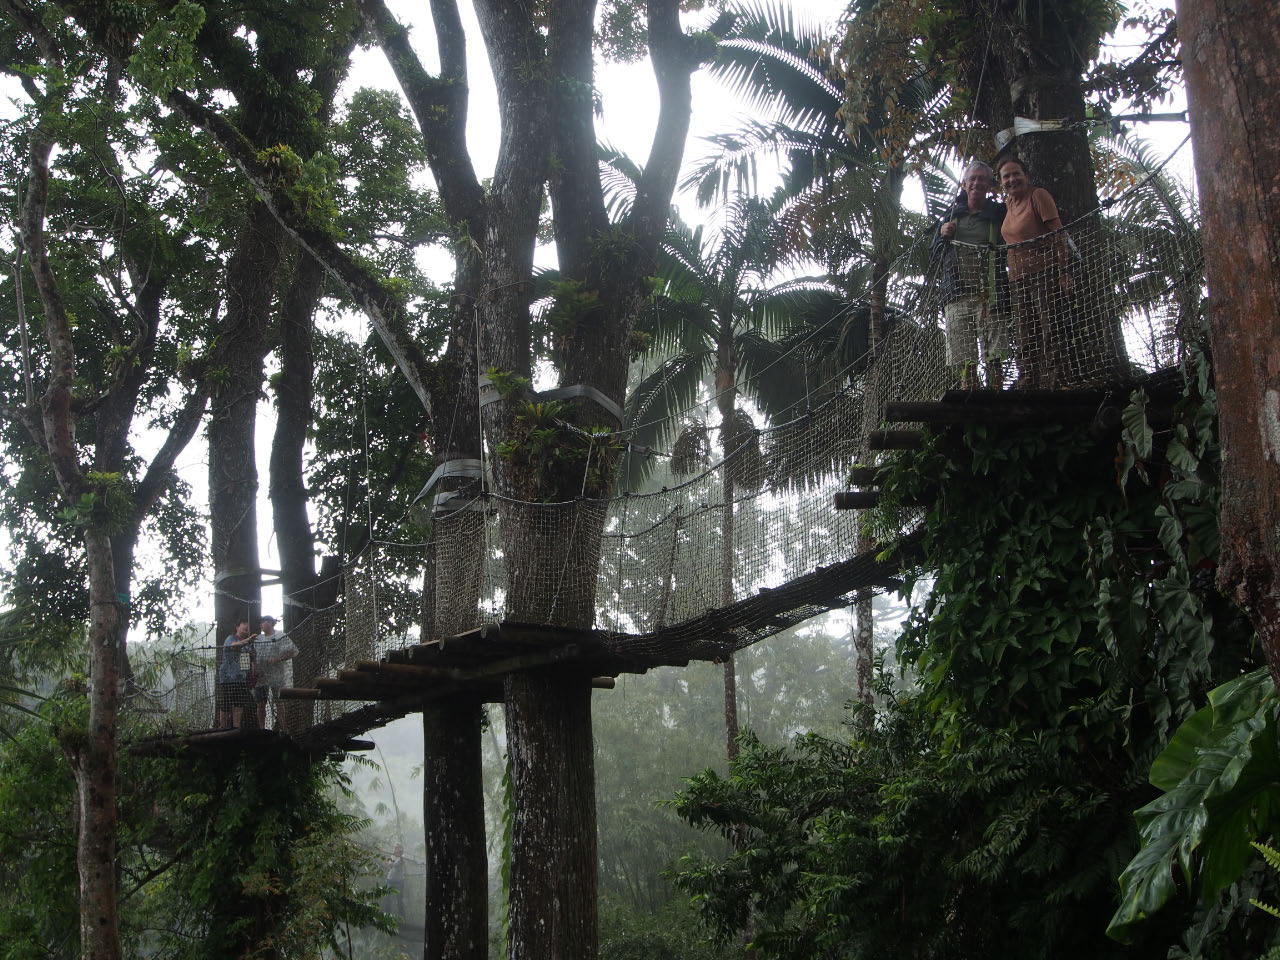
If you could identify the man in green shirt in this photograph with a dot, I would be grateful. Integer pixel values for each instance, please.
(971, 282)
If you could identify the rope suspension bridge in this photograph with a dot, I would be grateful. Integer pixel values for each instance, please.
(751, 545)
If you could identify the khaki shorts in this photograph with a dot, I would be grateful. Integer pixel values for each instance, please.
(973, 324)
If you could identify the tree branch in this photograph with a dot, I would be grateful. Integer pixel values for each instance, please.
(57, 415)
(438, 103)
(675, 57)
(577, 197)
(161, 466)
(33, 25)
(386, 310)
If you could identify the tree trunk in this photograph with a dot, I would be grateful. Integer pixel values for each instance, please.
(1037, 60)
(886, 230)
(93, 761)
(726, 403)
(457, 922)
(731, 729)
(91, 752)
(1229, 53)
(233, 471)
(286, 486)
(553, 845)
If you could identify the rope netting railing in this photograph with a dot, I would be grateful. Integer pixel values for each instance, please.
(1100, 303)
(1096, 303)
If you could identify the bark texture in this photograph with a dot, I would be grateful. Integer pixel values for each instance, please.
(457, 922)
(287, 487)
(233, 470)
(1232, 69)
(553, 845)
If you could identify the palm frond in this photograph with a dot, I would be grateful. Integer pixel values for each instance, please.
(654, 406)
(620, 178)
(773, 376)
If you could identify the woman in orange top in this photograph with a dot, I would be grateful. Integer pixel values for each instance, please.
(1038, 277)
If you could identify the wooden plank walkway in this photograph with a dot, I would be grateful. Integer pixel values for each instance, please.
(474, 663)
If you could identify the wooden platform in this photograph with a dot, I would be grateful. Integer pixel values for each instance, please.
(1101, 408)
(474, 663)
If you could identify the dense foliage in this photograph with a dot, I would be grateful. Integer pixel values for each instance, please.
(1071, 626)
(220, 854)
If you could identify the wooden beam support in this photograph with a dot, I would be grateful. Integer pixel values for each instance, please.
(866, 499)
(299, 693)
(1000, 398)
(418, 671)
(603, 683)
(856, 499)
(1024, 408)
(1013, 412)
(524, 662)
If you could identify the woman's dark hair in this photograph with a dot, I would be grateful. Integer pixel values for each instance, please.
(1007, 160)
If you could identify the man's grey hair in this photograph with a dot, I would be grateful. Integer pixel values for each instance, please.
(979, 165)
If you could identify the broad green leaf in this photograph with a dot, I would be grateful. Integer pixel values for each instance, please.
(1221, 774)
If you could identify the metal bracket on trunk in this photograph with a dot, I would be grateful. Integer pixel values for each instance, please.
(489, 394)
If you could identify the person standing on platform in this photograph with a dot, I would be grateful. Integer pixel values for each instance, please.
(273, 650)
(233, 680)
(1039, 273)
(971, 279)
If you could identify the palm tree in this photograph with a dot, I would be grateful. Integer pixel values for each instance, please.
(719, 320)
(1152, 245)
(840, 201)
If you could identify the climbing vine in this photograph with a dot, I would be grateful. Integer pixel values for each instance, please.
(1070, 625)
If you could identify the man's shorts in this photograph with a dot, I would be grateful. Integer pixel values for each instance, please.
(232, 693)
(970, 322)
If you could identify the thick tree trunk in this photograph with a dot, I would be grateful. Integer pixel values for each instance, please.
(233, 471)
(452, 581)
(553, 845)
(457, 923)
(286, 486)
(1058, 160)
(1229, 53)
